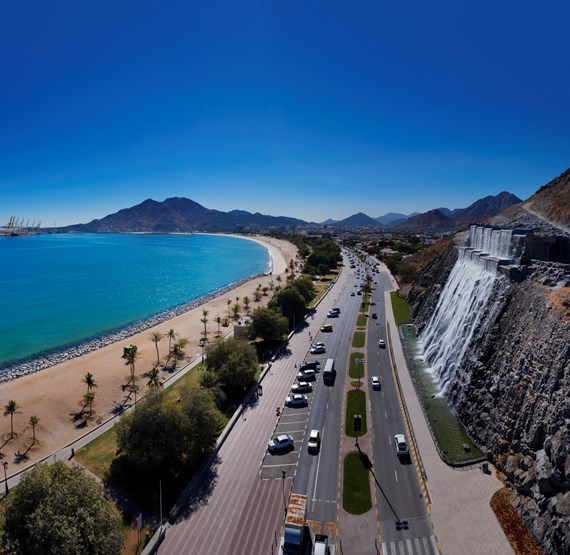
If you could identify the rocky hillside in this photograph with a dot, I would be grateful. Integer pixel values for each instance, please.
(513, 388)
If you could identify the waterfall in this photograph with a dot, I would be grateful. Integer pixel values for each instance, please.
(464, 298)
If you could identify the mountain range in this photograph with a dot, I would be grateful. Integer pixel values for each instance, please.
(180, 214)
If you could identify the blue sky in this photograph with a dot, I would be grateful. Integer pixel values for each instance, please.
(300, 108)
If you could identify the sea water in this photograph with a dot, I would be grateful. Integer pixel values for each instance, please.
(63, 289)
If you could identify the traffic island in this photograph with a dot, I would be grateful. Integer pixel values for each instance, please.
(356, 497)
(355, 405)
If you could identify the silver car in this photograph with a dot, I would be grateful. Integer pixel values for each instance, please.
(296, 400)
(280, 442)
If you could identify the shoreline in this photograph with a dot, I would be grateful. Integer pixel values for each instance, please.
(55, 393)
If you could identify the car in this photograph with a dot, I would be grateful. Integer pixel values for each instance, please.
(375, 382)
(336, 310)
(359, 292)
(296, 400)
(374, 316)
(333, 314)
(352, 294)
(381, 343)
(318, 344)
(326, 328)
(314, 441)
(317, 349)
(301, 387)
(356, 285)
(306, 376)
(280, 443)
(401, 445)
(310, 365)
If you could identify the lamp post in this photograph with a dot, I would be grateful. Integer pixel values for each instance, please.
(5, 465)
(283, 490)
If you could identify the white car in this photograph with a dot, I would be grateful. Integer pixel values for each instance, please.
(296, 400)
(314, 441)
(401, 445)
(318, 349)
(375, 382)
(301, 387)
(280, 442)
(306, 376)
(381, 343)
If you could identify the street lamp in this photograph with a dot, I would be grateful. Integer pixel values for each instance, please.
(5, 465)
(283, 489)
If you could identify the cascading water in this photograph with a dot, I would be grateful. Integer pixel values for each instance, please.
(464, 298)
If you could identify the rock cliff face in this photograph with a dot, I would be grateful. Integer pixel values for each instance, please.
(512, 391)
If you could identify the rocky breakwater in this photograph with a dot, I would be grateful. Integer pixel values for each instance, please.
(512, 389)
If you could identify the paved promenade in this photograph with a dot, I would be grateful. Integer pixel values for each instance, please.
(463, 520)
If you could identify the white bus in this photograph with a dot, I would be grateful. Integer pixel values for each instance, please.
(329, 371)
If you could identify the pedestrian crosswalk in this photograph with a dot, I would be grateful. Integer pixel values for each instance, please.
(427, 545)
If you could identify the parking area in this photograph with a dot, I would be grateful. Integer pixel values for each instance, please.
(293, 421)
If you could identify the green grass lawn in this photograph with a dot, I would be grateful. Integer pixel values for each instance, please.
(356, 497)
(358, 339)
(98, 455)
(356, 370)
(355, 404)
(362, 320)
(400, 308)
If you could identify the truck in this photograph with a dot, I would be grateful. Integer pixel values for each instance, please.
(294, 528)
(321, 545)
(329, 371)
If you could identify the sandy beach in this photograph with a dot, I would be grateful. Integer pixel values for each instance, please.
(55, 394)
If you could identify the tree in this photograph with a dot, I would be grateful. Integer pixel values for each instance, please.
(304, 286)
(130, 355)
(268, 324)
(235, 310)
(211, 382)
(235, 362)
(229, 303)
(57, 509)
(34, 421)
(290, 303)
(257, 295)
(204, 321)
(178, 348)
(218, 321)
(89, 398)
(153, 379)
(11, 409)
(246, 302)
(155, 337)
(89, 380)
(171, 334)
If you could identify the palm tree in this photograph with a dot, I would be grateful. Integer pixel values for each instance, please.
(229, 304)
(130, 355)
(279, 279)
(89, 380)
(210, 381)
(89, 397)
(204, 321)
(34, 421)
(246, 303)
(155, 337)
(218, 321)
(11, 409)
(235, 309)
(153, 379)
(178, 348)
(171, 334)
(265, 289)
(257, 295)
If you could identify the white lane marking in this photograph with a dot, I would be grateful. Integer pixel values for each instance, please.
(317, 476)
(396, 474)
(276, 465)
(386, 415)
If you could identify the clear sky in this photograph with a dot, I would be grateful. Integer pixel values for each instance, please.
(309, 109)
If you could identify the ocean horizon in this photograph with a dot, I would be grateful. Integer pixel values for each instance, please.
(63, 290)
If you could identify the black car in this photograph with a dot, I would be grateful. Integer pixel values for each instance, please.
(374, 316)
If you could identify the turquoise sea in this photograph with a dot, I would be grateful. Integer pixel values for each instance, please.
(64, 289)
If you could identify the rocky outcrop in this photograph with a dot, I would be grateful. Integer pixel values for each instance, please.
(512, 390)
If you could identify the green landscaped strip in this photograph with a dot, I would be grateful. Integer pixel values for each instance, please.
(356, 370)
(400, 308)
(358, 339)
(448, 432)
(98, 455)
(356, 497)
(355, 404)
(361, 320)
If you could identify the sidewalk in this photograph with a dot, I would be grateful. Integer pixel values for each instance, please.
(462, 516)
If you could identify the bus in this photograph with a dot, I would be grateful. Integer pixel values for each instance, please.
(329, 371)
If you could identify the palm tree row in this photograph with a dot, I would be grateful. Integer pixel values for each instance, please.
(12, 408)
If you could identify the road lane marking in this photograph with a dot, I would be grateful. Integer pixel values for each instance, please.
(396, 474)
(277, 465)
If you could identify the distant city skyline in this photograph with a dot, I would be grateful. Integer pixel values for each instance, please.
(307, 110)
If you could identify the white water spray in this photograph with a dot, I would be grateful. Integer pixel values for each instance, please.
(464, 298)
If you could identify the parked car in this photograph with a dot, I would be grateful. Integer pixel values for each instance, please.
(381, 343)
(314, 441)
(317, 349)
(301, 387)
(333, 314)
(326, 328)
(280, 443)
(375, 382)
(352, 294)
(310, 365)
(306, 376)
(296, 400)
(401, 445)
(335, 310)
